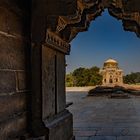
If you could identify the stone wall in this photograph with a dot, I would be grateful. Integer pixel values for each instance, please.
(32, 76)
(14, 68)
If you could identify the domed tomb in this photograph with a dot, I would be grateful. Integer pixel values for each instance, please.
(111, 73)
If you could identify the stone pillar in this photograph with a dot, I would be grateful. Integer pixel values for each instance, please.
(49, 116)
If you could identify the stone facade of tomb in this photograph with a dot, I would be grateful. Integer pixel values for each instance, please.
(112, 74)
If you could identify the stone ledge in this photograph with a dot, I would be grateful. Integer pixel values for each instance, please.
(61, 128)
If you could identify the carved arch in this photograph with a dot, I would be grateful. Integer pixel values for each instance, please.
(68, 26)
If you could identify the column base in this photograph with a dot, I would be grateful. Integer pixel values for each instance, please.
(61, 127)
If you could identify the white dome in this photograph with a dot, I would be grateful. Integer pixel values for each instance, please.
(111, 61)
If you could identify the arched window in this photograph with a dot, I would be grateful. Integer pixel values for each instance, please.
(110, 81)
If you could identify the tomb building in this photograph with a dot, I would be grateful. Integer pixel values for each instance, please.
(112, 74)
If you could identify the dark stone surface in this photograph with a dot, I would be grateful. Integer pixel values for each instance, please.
(7, 82)
(61, 96)
(48, 82)
(22, 6)
(61, 127)
(14, 53)
(12, 104)
(45, 120)
(13, 24)
(23, 80)
(36, 125)
(14, 127)
(59, 9)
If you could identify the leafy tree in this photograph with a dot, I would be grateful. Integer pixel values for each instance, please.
(69, 80)
(81, 76)
(95, 77)
(132, 78)
(84, 77)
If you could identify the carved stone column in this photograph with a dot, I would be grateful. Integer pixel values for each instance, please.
(56, 118)
(49, 118)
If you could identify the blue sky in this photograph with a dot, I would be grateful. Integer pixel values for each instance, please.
(105, 39)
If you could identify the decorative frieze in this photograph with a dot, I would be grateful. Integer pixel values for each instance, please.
(131, 20)
(133, 16)
(88, 10)
(117, 3)
(63, 21)
(55, 42)
(61, 24)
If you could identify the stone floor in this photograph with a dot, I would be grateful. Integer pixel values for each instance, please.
(102, 118)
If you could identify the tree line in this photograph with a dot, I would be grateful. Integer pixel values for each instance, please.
(132, 78)
(91, 77)
(84, 77)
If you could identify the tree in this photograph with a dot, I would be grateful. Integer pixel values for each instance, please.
(132, 78)
(95, 77)
(84, 77)
(81, 76)
(69, 80)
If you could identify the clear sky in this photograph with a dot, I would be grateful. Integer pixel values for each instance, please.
(105, 39)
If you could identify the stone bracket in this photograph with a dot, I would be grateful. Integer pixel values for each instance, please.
(55, 42)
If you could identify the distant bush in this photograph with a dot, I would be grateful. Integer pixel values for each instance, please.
(84, 77)
(133, 78)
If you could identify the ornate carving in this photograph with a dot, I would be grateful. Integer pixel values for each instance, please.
(54, 41)
(63, 21)
(88, 10)
(117, 3)
(61, 24)
(129, 16)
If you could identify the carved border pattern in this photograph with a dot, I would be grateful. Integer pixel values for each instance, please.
(72, 19)
(55, 42)
(117, 8)
(67, 27)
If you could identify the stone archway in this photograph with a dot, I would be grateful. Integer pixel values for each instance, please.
(58, 25)
(35, 38)
(67, 27)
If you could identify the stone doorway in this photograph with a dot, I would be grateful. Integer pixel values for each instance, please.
(59, 24)
(35, 38)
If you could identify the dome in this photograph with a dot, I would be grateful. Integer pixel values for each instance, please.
(111, 61)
